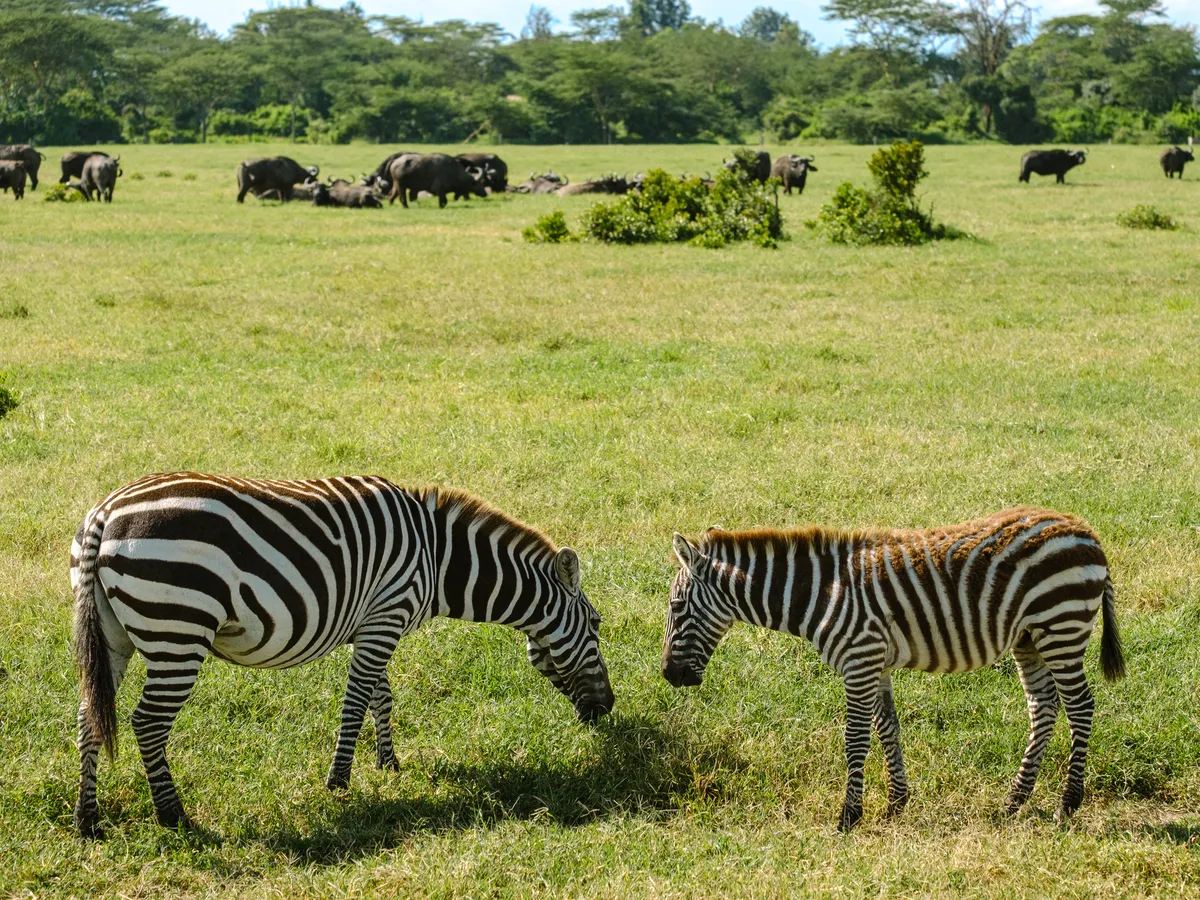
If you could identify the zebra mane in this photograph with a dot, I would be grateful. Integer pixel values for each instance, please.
(476, 508)
(715, 539)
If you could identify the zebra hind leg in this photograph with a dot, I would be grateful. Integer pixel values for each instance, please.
(1079, 706)
(887, 726)
(1041, 695)
(168, 685)
(87, 806)
(373, 647)
(862, 689)
(381, 712)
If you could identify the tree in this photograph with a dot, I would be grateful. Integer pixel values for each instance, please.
(652, 16)
(538, 22)
(894, 29)
(603, 24)
(766, 24)
(987, 31)
(204, 80)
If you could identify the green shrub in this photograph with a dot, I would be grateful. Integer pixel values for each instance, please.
(60, 193)
(163, 173)
(190, 176)
(1143, 216)
(549, 229)
(9, 399)
(15, 310)
(137, 176)
(890, 214)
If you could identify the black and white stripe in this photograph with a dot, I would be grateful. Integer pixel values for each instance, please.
(272, 574)
(949, 599)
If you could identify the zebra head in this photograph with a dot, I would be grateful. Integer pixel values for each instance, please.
(699, 615)
(567, 649)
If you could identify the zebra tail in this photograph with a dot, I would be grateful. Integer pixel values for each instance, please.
(91, 650)
(1112, 660)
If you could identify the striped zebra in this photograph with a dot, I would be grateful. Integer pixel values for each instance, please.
(273, 574)
(948, 599)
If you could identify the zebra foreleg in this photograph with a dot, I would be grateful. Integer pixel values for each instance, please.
(862, 688)
(167, 689)
(1041, 695)
(381, 712)
(887, 726)
(1079, 706)
(372, 650)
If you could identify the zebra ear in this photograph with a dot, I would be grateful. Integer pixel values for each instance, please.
(566, 567)
(686, 552)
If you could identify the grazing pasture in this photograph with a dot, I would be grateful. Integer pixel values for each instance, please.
(610, 395)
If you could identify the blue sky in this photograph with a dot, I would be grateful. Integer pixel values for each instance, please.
(222, 14)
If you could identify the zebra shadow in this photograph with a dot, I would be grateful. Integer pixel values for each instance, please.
(639, 768)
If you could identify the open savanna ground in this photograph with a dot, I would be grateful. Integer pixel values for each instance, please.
(610, 395)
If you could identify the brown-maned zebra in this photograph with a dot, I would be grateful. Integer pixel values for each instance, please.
(273, 574)
(948, 599)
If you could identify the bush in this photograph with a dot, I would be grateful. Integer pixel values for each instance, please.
(9, 400)
(549, 229)
(890, 214)
(1143, 216)
(60, 193)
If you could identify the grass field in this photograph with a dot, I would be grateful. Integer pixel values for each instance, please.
(610, 395)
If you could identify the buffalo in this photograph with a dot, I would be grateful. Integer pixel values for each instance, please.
(436, 173)
(1173, 161)
(343, 193)
(27, 155)
(299, 192)
(275, 173)
(99, 175)
(546, 183)
(608, 184)
(762, 167)
(495, 172)
(381, 178)
(72, 164)
(792, 171)
(1051, 162)
(12, 175)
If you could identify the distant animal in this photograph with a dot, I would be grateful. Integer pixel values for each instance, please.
(949, 599)
(278, 173)
(72, 164)
(436, 173)
(381, 178)
(26, 154)
(792, 171)
(301, 192)
(99, 176)
(762, 167)
(12, 175)
(343, 193)
(494, 169)
(1174, 159)
(274, 574)
(1051, 162)
(608, 184)
(546, 183)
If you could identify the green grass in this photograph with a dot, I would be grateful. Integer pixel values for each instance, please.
(610, 395)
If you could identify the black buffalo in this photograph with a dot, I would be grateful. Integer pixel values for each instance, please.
(99, 175)
(608, 184)
(1173, 161)
(546, 183)
(72, 164)
(25, 154)
(381, 178)
(494, 169)
(436, 173)
(792, 171)
(276, 173)
(299, 192)
(12, 175)
(762, 166)
(343, 193)
(1051, 162)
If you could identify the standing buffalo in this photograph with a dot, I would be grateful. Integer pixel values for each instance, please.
(279, 173)
(792, 171)
(381, 178)
(25, 154)
(495, 171)
(343, 193)
(72, 164)
(436, 173)
(1173, 161)
(762, 166)
(100, 175)
(12, 175)
(1051, 162)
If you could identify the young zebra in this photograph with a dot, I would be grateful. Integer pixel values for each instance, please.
(948, 599)
(272, 574)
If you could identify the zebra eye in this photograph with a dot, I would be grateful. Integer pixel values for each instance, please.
(678, 604)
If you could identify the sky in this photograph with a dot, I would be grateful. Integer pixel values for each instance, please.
(220, 15)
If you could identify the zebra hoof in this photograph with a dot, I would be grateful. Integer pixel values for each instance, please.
(851, 815)
(173, 817)
(896, 805)
(88, 825)
(388, 764)
(338, 781)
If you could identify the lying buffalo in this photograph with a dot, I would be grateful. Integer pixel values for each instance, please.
(72, 164)
(1051, 162)
(27, 155)
(99, 175)
(792, 171)
(299, 192)
(762, 166)
(275, 173)
(1173, 161)
(546, 183)
(609, 184)
(494, 169)
(343, 193)
(12, 175)
(436, 173)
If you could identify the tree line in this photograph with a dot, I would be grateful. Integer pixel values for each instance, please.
(91, 71)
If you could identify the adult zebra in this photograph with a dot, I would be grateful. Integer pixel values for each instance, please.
(272, 574)
(945, 599)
